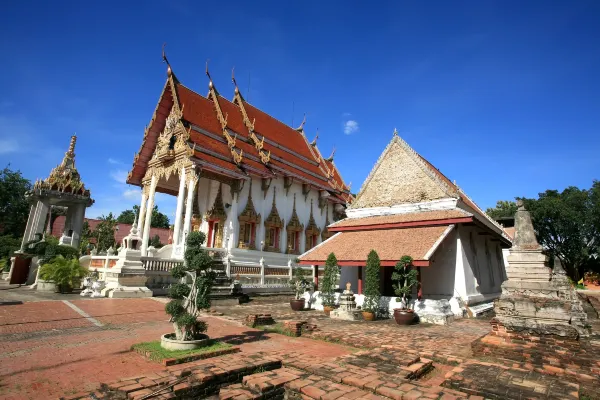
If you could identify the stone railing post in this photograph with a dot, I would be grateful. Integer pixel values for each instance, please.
(262, 271)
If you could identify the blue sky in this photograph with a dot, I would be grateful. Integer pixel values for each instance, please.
(503, 97)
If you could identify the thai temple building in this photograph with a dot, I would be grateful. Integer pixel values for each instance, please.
(261, 192)
(408, 207)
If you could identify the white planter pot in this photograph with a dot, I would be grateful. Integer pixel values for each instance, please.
(168, 341)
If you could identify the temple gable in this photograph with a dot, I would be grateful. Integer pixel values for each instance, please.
(399, 176)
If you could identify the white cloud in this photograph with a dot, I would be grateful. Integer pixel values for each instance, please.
(132, 194)
(119, 175)
(350, 127)
(114, 162)
(8, 146)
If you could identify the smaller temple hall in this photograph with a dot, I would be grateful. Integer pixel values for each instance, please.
(408, 207)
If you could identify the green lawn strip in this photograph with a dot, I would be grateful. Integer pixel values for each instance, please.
(275, 328)
(155, 352)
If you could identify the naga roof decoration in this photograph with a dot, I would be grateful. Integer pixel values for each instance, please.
(274, 219)
(64, 177)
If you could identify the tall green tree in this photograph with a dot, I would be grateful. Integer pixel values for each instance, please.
(105, 232)
(372, 282)
(14, 208)
(158, 220)
(329, 281)
(503, 209)
(567, 224)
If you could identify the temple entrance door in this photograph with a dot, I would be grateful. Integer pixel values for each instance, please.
(387, 288)
(20, 270)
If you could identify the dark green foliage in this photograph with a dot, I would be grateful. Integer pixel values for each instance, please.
(193, 292)
(5, 264)
(105, 232)
(155, 352)
(8, 245)
(48, 249)
(329, 281)
(155, 242)
(300, 283)
(63, 271)
(158, 219)
(84, 242)
(567, 224)
(405, 277)
(503, 209)
(372, 282)
(14, 208)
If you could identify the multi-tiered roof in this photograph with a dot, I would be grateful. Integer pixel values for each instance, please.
(236, 139)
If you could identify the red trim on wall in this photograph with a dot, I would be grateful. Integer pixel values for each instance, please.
(372, 227)
(352, 263)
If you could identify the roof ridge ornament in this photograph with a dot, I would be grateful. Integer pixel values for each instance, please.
(166, 60)
(314, 142)
(395, 132)
(330, 158)
(301, 127)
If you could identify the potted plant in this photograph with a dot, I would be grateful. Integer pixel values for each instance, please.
(66, 273)
(328, 283)
(189, 296)
(300, 285)
(405, 277)
(372, 293)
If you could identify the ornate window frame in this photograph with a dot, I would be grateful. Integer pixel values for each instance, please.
(216, 214)
(312, 231)
(273, 221)
(249, 217)
(293, 228)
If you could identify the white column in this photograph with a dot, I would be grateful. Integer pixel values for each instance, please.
(148, 215)
(187, 225)
(180, 194)
(235, 224)
(29, 227)
(142, 216)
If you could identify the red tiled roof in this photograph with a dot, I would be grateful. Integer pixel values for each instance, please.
(423, 216)
(353, 247)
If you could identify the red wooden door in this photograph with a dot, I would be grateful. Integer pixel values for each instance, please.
(20, 270)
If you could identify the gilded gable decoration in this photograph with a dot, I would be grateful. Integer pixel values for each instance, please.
(273, 225)
(248, 219)
(312, 231)
(217, 215)
(293, 228)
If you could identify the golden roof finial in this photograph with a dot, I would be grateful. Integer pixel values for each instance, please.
(301, 127)
(314, 142)
(210, 83)
(330, 158)
(233, 80)
(166, 60)
(71, 150)
(395, 132)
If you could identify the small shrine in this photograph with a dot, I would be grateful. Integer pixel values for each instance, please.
(63, 188)
(347, 309)
(128, 277)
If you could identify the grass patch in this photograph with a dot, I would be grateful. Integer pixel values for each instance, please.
(154, 351)
(275, 328)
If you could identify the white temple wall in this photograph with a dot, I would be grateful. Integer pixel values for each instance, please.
(438, 279)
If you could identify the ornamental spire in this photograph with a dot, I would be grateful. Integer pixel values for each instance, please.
(301, 127)
(314, 142)
(330, 158)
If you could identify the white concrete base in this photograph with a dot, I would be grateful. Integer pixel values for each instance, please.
(45, 286)
(437, 312)
(168, 341)
(127, 292)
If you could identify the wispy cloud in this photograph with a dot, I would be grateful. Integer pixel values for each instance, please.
(115, 162)
(131, 194)
(8, 146)
(350, 127)
(119, 175)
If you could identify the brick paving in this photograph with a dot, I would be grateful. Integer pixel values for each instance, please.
(48, 350)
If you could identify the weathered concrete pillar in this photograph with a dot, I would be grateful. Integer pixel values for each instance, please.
(178, 212)
(148, 221)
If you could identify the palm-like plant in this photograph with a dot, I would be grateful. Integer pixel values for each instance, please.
(66, 273)
(299, 283)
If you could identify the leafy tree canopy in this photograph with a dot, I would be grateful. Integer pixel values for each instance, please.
(105, 232)
(567, 224)
(14, 208)
(503, 209)
(159, 220)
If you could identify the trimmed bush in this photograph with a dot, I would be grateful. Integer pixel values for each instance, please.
(372, 282)
(329, 282)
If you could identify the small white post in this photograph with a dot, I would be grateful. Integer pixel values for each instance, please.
(262, 271)
(291, 269)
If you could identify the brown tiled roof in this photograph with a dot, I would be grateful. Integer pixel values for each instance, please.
(425, 216)
(390, 244)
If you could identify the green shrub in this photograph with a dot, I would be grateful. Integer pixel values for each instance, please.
(63, 272)
(372, 282)
(329, 281)
(405, 277)
(299, 283)
(193, 292)
(5, 264)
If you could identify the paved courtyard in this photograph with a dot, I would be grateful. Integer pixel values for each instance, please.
(55, 346)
